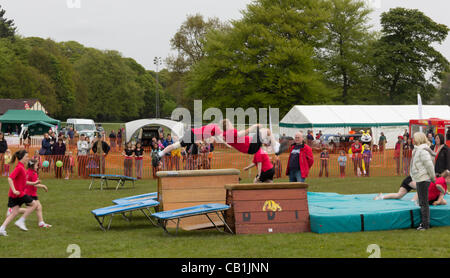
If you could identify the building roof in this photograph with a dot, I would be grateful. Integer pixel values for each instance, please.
(15, 104)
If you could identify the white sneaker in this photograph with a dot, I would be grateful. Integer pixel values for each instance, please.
(160, 153)
(3, 233)
(21, 225)
(8, 212)
(379, 197)
(45, 225)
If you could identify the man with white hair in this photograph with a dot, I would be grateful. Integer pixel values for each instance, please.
(300, 160)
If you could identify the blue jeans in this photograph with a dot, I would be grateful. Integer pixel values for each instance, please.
(296, 176)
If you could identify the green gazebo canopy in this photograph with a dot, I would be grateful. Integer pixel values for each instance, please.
(19, 117)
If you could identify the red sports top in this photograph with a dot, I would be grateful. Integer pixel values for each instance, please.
(19, 177)
(32, 176)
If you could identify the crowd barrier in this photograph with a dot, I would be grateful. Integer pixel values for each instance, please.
(381, 164)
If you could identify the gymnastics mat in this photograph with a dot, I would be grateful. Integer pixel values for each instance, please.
(335, 213)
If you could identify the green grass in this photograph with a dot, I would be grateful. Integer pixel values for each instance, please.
(67, 207)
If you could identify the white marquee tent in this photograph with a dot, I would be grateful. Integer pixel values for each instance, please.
(177, 128)
(392, 120)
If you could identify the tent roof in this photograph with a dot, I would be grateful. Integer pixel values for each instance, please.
(131, 127)
(39, 122)
(308, 116)
(26, 116)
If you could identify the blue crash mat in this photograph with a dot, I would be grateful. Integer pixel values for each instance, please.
(335, 213)
(137, 198)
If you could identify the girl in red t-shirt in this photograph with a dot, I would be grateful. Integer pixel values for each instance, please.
(266, 170)
(31, 190)
(438, 189)
(17, 183)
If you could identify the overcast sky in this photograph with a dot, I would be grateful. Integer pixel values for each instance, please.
(141, 29)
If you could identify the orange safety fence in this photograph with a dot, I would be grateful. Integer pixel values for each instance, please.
(382, 164)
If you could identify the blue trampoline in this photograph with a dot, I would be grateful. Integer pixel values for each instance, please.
(104, 180)
(143, 206)
(335, 213)
(137, 198)
(205, 209)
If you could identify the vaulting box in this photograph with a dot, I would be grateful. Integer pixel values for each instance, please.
(180, 189)
(268, 208)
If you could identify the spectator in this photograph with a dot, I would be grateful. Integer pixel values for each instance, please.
(46, 145)
(167, 158)
(406, 134)
(397, 151)
(59, 151)
(100, 128)
(367, 158)
(342, 160)
(3, 148)
(448, 134)
(422, 172)
(442, 159)
(382, 142)
(128, 153)
(156, 165)
(71, 136)
(69, 163)
(112, 140)
(324, 158)
(407, 154)
(431, 138)
(119, 138)
(309, 138)
(300, 160)
(357, 157)
(83, 151)
(101, 150)
(139, 159)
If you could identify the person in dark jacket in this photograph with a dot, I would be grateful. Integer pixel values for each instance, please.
(442, 159)
(59, 152)
(300, 160)
(100, 152)
(3, 148)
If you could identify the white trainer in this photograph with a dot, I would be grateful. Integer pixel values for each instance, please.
(8, 212)
(45, 225)
(21, 225)
(3, 233)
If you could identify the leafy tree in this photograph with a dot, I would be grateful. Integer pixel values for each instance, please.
(267, 58)
(346, 53)
(406, 62)
(7, 28)
(443, 95)
(189, 41)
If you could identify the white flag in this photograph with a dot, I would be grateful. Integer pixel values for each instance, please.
(419, 102)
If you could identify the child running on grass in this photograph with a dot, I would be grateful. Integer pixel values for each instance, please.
(17, 185)
(33, 183)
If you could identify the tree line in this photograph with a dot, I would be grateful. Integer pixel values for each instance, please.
(280, 53)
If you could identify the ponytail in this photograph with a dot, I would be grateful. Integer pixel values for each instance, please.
(19, 155)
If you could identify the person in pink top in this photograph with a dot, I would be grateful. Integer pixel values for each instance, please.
(191, 136)
(33, 183)
(17, 184)
(266, 171)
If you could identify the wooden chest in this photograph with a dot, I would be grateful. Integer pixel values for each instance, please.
(268, 208)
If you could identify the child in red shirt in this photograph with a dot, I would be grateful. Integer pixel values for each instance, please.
(266, 171)
(17, 183)
(31, 190)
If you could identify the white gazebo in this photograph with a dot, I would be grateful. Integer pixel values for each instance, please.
(177, 128)
(392, 120)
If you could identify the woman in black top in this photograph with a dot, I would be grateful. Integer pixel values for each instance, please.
(442, 159)
(139, 159)
(128, 153)
(3, 148)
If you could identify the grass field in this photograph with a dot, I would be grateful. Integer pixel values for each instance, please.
(67, 207)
